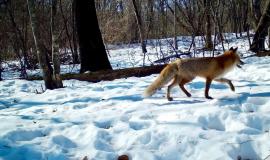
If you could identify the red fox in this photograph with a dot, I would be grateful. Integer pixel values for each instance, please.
(183, 71)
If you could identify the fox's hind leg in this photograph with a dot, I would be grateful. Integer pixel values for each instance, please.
(174, 83)
(207, 87)
(182, 83)
(225, 80)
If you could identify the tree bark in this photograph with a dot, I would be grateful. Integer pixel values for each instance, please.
(150, 17)
(1, 68)
(269, 38)
(174, 27)
(19, 34)
(55, 47)
(20, 40)
(140, 26)
(261, 31)
(93, 55)
(74, 54)
(111, 75)
(74, 36)
(41, 54)
(208, 35)
(256, 11)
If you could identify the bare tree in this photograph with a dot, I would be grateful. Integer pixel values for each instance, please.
(20, 41)
(269, 37)
(1, 68)
(191, 14)
(217, 10)
(47, 71)
(256, 11)
(73, 49)
(261, 31)
(150, 17)
(55, 47)
(208, 35)
(174, 26)
(74, 35)
(93, 55)
(140, 27)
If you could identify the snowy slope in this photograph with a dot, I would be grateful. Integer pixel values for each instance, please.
(107, 119)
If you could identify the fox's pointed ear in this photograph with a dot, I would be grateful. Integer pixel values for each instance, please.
(235, 49)
(231, 49)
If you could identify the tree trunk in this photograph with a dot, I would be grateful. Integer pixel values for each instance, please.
(1, 68)
(93, 55)
(55, 47)
(41, 54)
(261, 31)
(256, 11)
(65, 20)
(269, 38)
(208, 41)
(150, 17)
(140, 27)
(75, 57)
(248, 35)
(174, 27)
(19, 36)
(16, 47)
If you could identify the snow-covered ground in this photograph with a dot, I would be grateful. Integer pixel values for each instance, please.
(110, 118)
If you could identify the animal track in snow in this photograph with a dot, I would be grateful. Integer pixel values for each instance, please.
(102, 141)
(139, 125)
(145, 138)
(24, 135)
(80, 106)
(64, 142)
(105, 124)
(212, 122)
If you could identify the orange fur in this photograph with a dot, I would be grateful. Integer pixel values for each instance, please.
(183, 71)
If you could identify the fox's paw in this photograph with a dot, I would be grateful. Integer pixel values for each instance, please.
(170, 98)
(208, 97)
(188, 94)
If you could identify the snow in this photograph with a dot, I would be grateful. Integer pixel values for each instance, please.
(110, 118)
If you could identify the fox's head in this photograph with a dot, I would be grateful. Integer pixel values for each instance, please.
(236, 56)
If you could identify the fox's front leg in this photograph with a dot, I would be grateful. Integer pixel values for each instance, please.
(207, 87)
(225, 80)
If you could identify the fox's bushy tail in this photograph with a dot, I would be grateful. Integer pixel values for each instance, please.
(164, 77)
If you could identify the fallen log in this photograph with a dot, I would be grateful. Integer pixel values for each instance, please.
(108, 75)
(263, 53)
